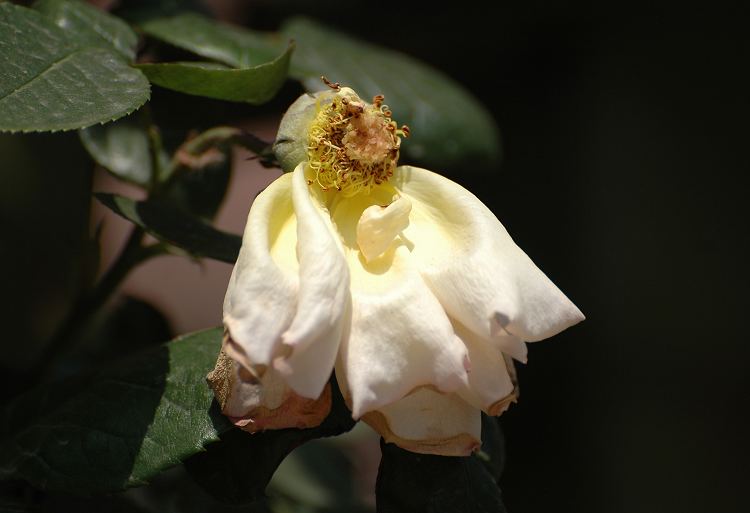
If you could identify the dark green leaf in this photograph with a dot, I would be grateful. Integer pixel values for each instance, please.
(119, 427)
(51, 79)
(434, 484)
(211, 39)
(121, 147)
(253, 85)
(178, 228)
(237, 469)
(91, 26)
(448, 124)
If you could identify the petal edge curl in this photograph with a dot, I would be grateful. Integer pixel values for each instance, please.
(480, 275)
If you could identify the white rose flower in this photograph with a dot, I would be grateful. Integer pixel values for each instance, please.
(396, 276)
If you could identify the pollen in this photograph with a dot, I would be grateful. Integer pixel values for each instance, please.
(353, 146)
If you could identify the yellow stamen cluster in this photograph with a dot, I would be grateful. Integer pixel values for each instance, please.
(353, 145)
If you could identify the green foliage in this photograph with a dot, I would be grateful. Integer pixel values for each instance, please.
(237, 470)
(92, 26)
(447, 123)
(255, 85)
(252, 68)
(449, 127)
(200, 171)
(176, 227)
(118, 428)
(122, 147)
(67, 65)
(233, 46)
(56, 79)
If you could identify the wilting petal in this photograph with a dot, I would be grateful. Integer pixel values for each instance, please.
(428, 422)
(400, 336)
(267, 403)
(281, 310)
(472, 265)
(323, 299)
(491, 387)
(262, 294)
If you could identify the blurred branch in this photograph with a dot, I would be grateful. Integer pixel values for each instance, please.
(133, 254)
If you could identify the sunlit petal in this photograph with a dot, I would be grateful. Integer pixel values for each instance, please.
(261, 297)
(400, 337)
(482, 278)
(429, 422)
(313, 337)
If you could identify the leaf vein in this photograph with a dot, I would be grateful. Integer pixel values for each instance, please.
(41, 75)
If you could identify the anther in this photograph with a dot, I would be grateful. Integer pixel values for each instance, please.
(333, 85)
(377, 100)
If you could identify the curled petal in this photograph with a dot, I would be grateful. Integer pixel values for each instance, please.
(267, 403)
(400, 337)
(491, 386)
(482, 278)
(288, 294)
(262, 294)
(429, 422)
(322, 303)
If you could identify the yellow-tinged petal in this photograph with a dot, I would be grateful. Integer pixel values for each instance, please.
(400, 275)
(323, 298)
(379, 225)
(262, 294)
(429, 422)
(482, 278)
(283, 311)
(400, 337)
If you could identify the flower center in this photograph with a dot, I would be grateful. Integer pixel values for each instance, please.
(353, 145)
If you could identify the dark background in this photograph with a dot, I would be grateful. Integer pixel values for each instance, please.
(625, 134)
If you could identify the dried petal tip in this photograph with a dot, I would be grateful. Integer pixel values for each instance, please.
(254, 404)
(429, 422)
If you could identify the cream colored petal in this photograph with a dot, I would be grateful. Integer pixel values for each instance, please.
(491, 387)
(261, 298)
(288, 293)
(379, 225)
(482, 278)
(428, 422)
(322, 304)
(400, 337)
